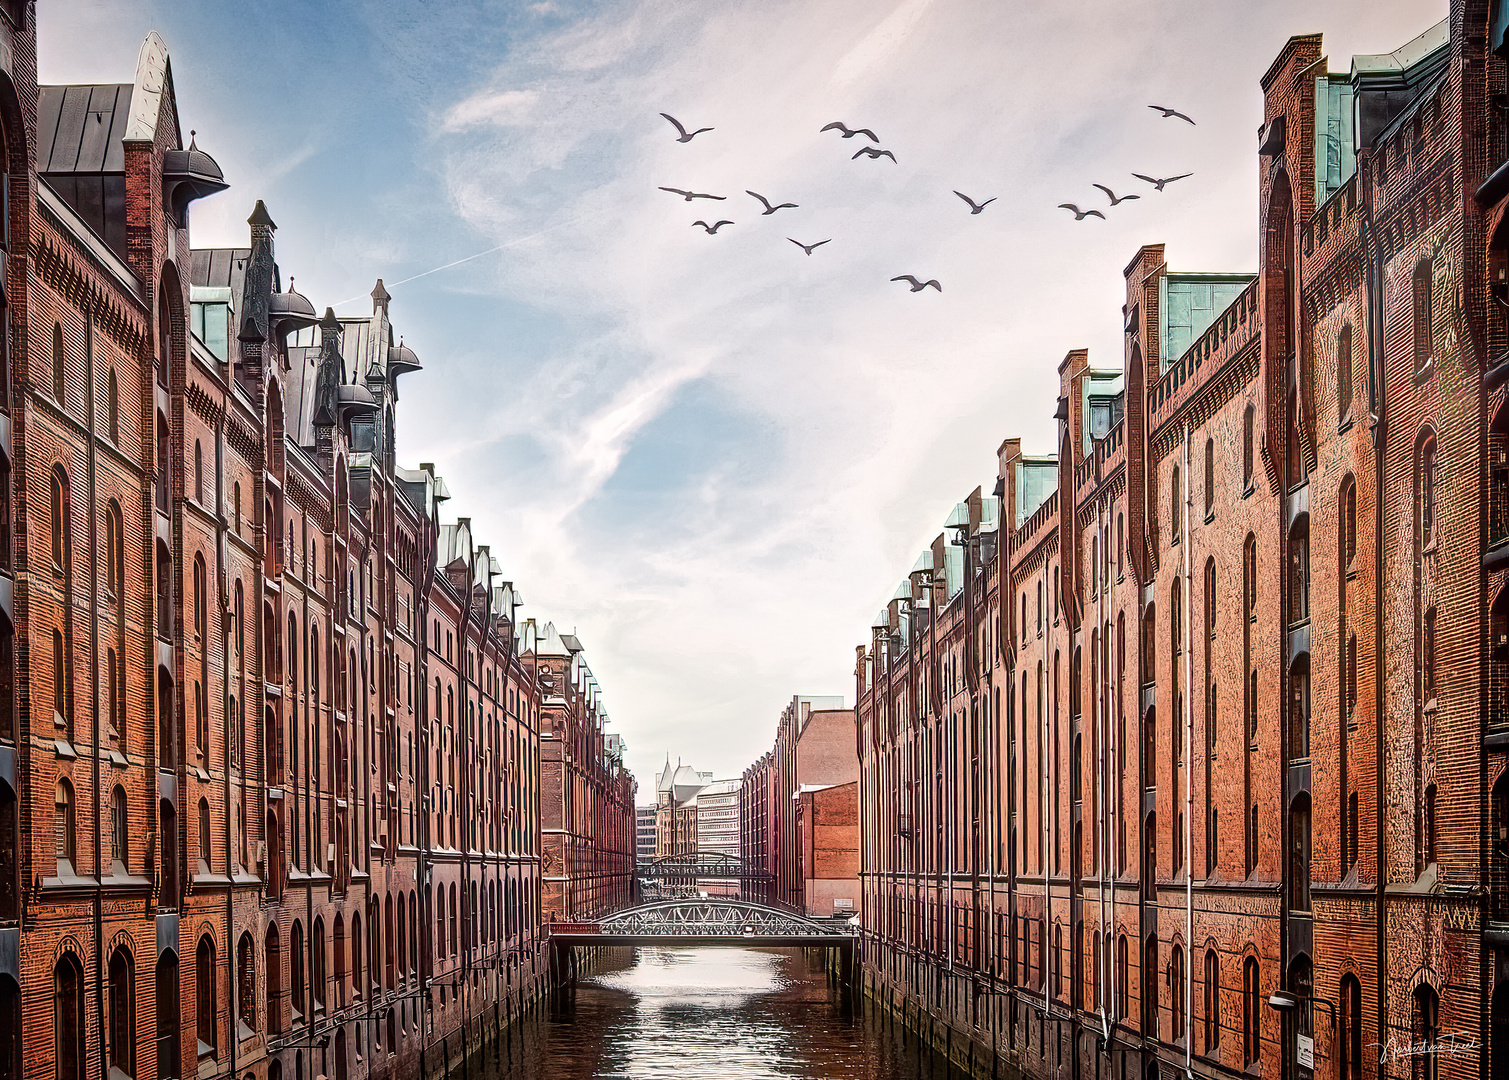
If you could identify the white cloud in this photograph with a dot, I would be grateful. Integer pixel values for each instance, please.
(839, 416)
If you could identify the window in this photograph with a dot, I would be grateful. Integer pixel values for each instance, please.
(61, 526)
(118, 853)
(122, 1043)
(1212, 1001)
(1428, 658)
(1299, 572)
(1176, 992)
(1210, 477)
(58, 376)
(1249, 435)
(1122, 992)
(68, 1018)
(204, 983)
(1150, 987)
(63, 827)
(200, 588)
(1348, 526)
(204, 836)
(1299, 708)
(1252, 1016)
(1344, 372)
(1422, 314)
(297, 986)
(1351, 1028)
(272, 966)
(1426, 1031)
(59, 680)
(1429, 828)
(1427, 488)
(168, 1033)
(113, 407)
(1175, 507)
(1299, 854)
(246, 985)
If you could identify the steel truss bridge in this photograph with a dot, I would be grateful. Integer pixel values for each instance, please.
(703, 921)
(695, 865)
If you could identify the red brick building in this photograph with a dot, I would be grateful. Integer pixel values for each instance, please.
(814, 746)
(586, 792)
(1184, 748)
(270, 746)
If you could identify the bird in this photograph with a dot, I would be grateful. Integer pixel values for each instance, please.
(1167, 112)
(974, 207)
(918, 286)
(1080, 215)
(871, 152)
(1116, 200)
(849, 133)
(690, 195)
(713, 228)
(685, 136)
(768, 208)
(808, 247)
(1160, 183)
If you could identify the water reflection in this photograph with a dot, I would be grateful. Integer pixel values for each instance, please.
(729, 1014)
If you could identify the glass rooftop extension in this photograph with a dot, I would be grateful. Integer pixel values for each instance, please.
(1190, 303)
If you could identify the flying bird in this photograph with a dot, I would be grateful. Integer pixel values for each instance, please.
(849, 133)
(871, 152)
(808, 247)
(685, 136)
(1158, 184)
(713, 228)
(974, 207)
(918, 286)
(1167, 112)
(1080, 215)
(1116, 200)
(690, 195)
(768, 208)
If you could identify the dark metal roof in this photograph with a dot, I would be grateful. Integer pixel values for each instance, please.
(219, 268)
(80, 128)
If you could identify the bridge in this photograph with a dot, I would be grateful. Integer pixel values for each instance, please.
(700, 921)
(694, 865)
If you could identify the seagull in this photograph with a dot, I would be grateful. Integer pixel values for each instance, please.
(849, 133)
(713, 228)
(808, 247)
(974, 207)
(1160, 183)
(768, 208)
(918, 286)
(1167, 112)
(1115, 199)
(690, 195)
(1080, 215)
(685, 137)
(871, 152)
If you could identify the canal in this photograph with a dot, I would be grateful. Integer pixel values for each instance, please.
(709, 1014)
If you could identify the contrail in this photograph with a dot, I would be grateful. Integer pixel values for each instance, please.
(478, 255)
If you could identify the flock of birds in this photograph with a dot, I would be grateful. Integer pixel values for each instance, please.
(874, 152)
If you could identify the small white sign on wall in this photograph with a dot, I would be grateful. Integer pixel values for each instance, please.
(1304, 1051)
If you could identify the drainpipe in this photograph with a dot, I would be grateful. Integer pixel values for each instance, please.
(1378, 425)
(94, 686)
(1043, 801)
(225, 667)
(1189, 791)
(1101, 700)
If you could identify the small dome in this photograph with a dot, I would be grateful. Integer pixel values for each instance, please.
(292, 309)
(357, 397)
(401, 358)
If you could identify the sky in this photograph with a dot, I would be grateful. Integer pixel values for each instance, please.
(712, 456)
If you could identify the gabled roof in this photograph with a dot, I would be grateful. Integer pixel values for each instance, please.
(80, 129)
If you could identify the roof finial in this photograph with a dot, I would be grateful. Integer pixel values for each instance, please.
(192, 133)
(380, 298)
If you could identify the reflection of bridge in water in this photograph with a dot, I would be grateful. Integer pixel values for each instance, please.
(701, 921)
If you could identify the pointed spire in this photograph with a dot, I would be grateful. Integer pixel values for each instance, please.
(260, 216)
(380, 298)
(330, 324)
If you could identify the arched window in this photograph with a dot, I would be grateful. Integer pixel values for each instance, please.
(204, 982)
(1299, 571)
(1422, 314)
(120, 998)
(298, 988)
(1299, 708)
(61, 525)
(1175, 507)
(272, 965)
(164, 592)
(1425, 1027)
(1252, 1016)
(236, 505)
(1123, 993)
(204, 836)
(246, 985)
(356, 957)
(58, 359)
(1249, 444)
(1212, 1002)
(198, 472)
(118, 843)
(1351, 1028)
(1344, 372)
(68, 1018)
(1428, 658)
(1176, 988)
(1150, 987)
(317, 962)
(167, 833)
(168, 1034)
(200, 607)
(59, 680)
(1428, 830)
(1210, 476)
(1427, 490)
(113, 407)
(63, 827)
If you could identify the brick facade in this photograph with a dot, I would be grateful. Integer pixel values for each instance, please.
(1210, 704)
